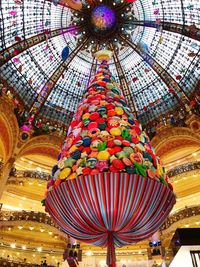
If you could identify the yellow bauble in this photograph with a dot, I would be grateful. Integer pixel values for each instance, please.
(115, 131)
(72, 176)
(159, 170)
(119, 111)
(86, 116)
(73, 149)
(65, 173)
(103, 155)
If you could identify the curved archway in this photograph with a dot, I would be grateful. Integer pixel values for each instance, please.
(175, 140)
(9, 128)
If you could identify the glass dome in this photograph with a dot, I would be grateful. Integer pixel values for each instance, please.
(156, 54)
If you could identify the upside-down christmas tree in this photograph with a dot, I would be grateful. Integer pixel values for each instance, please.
(109, 188)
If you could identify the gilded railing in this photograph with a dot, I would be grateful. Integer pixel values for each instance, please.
(184, 168)
(40, 217)
(30, 174)
(180, 215)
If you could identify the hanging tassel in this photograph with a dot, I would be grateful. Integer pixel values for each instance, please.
(111, 257)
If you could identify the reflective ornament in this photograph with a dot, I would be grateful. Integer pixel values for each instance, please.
(65, 53)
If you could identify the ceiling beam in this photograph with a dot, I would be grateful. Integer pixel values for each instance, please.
(17, 48)
(39, 101)
(161, 72)
(190, 31)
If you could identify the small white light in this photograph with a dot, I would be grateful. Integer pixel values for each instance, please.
(89, 253)
(39, 249)
(197, 223)
(83, 32)
(50, 233)
(13, 245)
(20, 227)
(41, 230)
(24, 247)
(31, 228)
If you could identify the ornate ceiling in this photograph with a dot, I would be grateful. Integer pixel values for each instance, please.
(155, 44)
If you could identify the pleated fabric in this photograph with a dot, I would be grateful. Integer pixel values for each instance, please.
(110, 209)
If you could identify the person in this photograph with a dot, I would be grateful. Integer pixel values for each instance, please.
(44, 263)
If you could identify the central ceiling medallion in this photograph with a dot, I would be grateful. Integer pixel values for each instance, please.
(103, 20)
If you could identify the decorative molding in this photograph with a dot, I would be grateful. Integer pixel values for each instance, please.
(12, 218)
(43, 144)
(169, 138)
(8, 125)
(15, 176)
(180, 215)
(190, 166)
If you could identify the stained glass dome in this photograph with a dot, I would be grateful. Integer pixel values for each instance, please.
(156, 54)
(103, 19)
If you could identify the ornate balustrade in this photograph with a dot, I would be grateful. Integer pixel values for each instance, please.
(27, 216)
(184, 168)
(1, 167)
(30, 174)
(9, 263)
(180, 215)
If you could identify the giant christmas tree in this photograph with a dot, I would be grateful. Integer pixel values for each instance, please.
(109, 187)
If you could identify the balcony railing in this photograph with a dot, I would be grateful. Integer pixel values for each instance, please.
(180, 215)
(184, 168)
(27, 216)
(1, 167)
(10, 263)
(30, 174)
